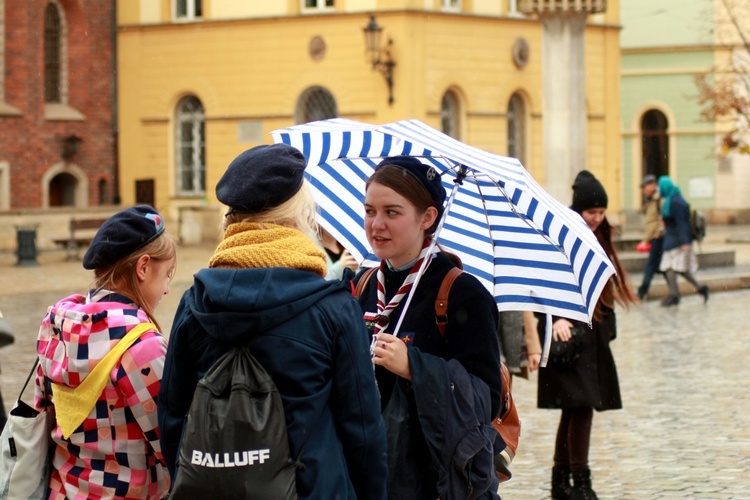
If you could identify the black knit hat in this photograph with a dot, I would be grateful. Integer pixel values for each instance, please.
(427, 176)
(122, 234)
(588, 192)
(262, 178)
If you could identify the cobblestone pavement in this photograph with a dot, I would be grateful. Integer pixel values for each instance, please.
(684, 431)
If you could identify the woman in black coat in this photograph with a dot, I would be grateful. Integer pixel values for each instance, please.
(439, 391)
(591, 382)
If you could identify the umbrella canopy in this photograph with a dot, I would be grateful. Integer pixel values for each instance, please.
(530, 251)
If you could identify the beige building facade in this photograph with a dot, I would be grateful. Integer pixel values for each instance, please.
(201, 81)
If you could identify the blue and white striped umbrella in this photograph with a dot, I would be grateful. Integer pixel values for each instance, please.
(529, 250)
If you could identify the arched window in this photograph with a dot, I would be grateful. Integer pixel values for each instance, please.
(450, 115)
(517, 128)
(102, 191)
(315, 103)
(655, 143)
(190, 157)
(62, 190)
(52, 54)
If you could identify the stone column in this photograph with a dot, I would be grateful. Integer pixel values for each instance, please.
(564, 88)
(564, 105)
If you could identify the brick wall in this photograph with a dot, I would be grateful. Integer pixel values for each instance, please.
(31, 143)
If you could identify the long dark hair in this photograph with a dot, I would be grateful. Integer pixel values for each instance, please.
(617, 289)
(398, 179)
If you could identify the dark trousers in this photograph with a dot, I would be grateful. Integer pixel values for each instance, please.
(652, 265)
(573, 439)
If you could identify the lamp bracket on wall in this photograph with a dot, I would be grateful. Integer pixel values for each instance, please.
(378, 56)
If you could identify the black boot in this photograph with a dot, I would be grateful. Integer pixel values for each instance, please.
(671, 300)
(560, 482)
(582, 486)
(703, 290)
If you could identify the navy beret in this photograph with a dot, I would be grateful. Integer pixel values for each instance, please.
(122, 234)
(588, 192)
(262, 178)
(426, 175)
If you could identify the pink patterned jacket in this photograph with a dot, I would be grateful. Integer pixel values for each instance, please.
(115, 452)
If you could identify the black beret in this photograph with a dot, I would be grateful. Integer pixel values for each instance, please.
(122, 234)
(262, 178)
(427, 176)
(588, 192)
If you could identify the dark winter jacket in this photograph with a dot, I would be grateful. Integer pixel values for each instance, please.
(433, 450)
(314, 345)
(592, 382)
(677, 230)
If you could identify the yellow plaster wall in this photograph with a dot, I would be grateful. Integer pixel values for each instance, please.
(255, 70)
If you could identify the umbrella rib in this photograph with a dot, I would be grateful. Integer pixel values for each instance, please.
(526, 221)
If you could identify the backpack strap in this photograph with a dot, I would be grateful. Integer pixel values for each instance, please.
(363, 280)
(441, 303)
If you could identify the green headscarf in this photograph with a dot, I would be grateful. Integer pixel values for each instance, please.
(667, 190)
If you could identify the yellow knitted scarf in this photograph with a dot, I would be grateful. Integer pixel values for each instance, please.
(253, 245)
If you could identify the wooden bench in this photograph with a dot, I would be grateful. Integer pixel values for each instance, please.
(82, 232)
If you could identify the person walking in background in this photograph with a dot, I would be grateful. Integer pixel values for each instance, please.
(114, 452)
(678, 256)
(519, 344)
(267, 278)
(435, 447)
(653, 232)
(591, 383)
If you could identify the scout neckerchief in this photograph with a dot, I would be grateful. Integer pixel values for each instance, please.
(384, 310)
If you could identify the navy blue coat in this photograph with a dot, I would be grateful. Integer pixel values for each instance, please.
(431, 450)
(314, 345)
(677, 231)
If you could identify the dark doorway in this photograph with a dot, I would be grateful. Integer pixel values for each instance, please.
(62, 190)
(655, 143)
(144, 192)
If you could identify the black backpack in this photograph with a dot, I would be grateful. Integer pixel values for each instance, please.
(235, 441)
(697, 225)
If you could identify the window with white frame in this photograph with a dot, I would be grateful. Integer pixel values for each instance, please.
(187, 10)
(315, 103)
(517, 128)
(450, 114)
(513, 8)
(450, 5)
(190, 141)
(316, 5)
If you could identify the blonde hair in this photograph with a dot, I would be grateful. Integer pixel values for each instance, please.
(121, 276)
(297, 212)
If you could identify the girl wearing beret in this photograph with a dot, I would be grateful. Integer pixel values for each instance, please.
(108, 446)
(591, 382)
(267, 278)
(438, 392)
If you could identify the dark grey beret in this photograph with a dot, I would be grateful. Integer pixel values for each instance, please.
(262, 178)
(427, 176)
(122, 234)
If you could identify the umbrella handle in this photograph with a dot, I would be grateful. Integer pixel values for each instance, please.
(547, 341)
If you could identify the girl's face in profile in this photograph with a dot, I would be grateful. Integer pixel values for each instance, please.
(394, 229)
(154, 277)
(593, 217)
